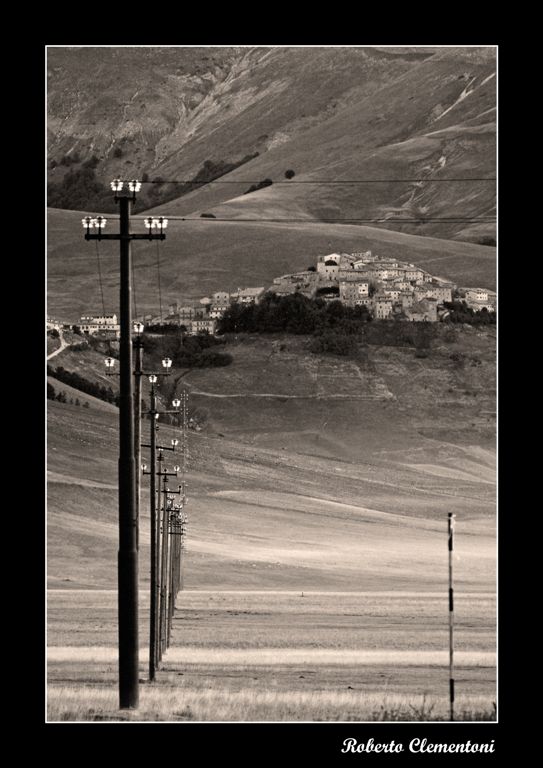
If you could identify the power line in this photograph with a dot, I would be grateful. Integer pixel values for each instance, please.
(474, 220)
(315, 181)
(432, 220)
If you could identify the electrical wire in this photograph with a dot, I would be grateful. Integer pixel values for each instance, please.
(315, 181)
(459, 220)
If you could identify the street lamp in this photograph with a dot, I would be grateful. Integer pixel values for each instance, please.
(138, 328)
(93, 223)
(156, 223)
(153, 378)
(176, 403)
(167, 363)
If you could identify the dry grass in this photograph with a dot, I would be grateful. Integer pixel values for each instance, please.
(166, 704)
(243, 657)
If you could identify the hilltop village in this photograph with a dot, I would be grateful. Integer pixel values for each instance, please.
(388, 288)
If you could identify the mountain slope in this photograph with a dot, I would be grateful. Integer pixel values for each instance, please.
(333, 114)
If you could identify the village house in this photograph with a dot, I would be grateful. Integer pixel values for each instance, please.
(391, 292)
(284, 289)
(248, 295)
(218, 304)
(439, 292)
(402, 284)
(218, 310)
(423, 311)
(382, 307)
(328, 266)
(106, 324)
(205, 325)
(53, 324)
(413, 274)
(476, 294)
(350, 291)
(363, 257)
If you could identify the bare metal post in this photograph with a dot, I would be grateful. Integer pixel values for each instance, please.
(451, 517)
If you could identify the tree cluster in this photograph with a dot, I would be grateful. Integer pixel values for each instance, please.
(294, 314)
(459, 312)
(77, 381)
(199, 351)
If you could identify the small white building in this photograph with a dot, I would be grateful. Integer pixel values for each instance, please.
(205, 325)
(92, 324)
(249, 295)
(218, 310)
(477, 294)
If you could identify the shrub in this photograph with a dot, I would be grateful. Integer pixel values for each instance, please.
(289, 174)
(207, 216)
(117, 152)
(259, 185)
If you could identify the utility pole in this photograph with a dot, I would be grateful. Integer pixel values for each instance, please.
(127, 563)
(155, 585)
(138, 349)
(451, 517)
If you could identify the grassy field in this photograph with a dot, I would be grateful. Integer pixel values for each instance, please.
(279, 655)
(203, 256)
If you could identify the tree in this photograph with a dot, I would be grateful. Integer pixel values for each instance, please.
(77, 401)
(51, 394)
(311, 268)
(289, 174)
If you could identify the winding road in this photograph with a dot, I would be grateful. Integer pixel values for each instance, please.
(63, 345)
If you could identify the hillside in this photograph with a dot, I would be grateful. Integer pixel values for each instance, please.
(310, 471)
(327, 113)
(202, 256)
